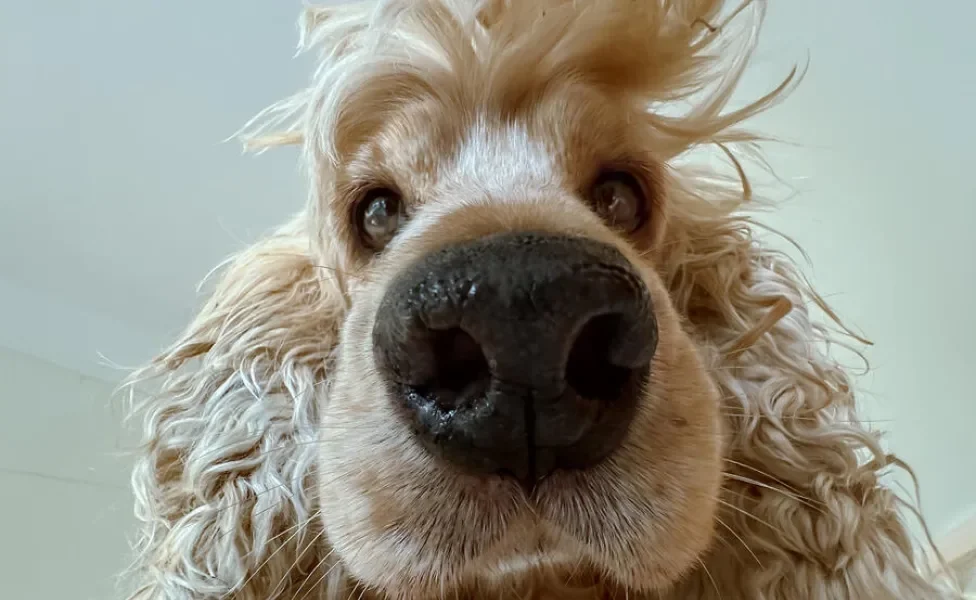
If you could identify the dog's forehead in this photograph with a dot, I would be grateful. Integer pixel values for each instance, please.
(433, 149)
(497, 156)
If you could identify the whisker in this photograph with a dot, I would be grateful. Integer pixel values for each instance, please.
(710, 578)
(319, 581)
(298, 525)
(354, 428)
(801, 499)
(345, 272)
(362, 592)
(763, 473)
(787, 418)
(254, 574)
(260, 512)
(298, 558)
(743, 542)
(256, 494)
(577, 567)
(251, 498)
(727, 544)
(750, 515)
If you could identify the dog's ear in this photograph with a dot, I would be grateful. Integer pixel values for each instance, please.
(805, 499)
(229, 424)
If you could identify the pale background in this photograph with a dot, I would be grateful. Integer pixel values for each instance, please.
(116, 197)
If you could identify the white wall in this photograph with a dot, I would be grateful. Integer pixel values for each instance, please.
(65, 507)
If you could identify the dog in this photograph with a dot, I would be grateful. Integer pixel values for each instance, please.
(519, 344)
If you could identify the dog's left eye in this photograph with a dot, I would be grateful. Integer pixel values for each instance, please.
(380, 212)
(619, 199)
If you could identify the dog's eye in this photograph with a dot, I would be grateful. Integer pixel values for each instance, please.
(380, 213)
(619, 199)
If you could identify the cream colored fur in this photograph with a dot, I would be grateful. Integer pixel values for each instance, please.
(249, 484)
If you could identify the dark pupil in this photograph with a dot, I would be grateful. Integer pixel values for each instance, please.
(614, 200)
(378, 215)
(605, 195)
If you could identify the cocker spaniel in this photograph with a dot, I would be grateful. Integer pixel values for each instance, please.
(520, 344)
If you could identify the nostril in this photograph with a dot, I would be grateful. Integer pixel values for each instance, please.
(589, 370)
(461, 369)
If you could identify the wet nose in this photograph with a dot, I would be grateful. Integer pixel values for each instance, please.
(517, 354)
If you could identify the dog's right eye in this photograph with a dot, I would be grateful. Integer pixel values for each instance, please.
(619, 199)
(380, 212)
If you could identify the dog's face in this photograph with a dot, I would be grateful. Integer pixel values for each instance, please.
(511, 343)
(513, 391)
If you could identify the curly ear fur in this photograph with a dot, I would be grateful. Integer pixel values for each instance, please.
(806, 514)
(222, 486)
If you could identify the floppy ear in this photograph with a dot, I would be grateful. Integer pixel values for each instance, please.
(230, 425)
(222, 482)
(806, 512)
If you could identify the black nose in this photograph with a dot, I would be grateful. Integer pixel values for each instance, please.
(518, 353)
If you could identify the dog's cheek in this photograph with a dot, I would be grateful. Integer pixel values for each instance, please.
(658, 499)
(681, 452)
(349, 430)
(368, 469)
(359, 508)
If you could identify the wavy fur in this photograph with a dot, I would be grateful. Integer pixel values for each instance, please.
(223, 483)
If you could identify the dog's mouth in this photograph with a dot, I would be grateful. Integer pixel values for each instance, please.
(517, 354)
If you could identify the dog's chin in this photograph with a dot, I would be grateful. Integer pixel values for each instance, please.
(482, 535)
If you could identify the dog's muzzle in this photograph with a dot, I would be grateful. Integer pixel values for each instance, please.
(517, 354)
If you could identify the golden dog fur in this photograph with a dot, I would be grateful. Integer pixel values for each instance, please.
(273, 466)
